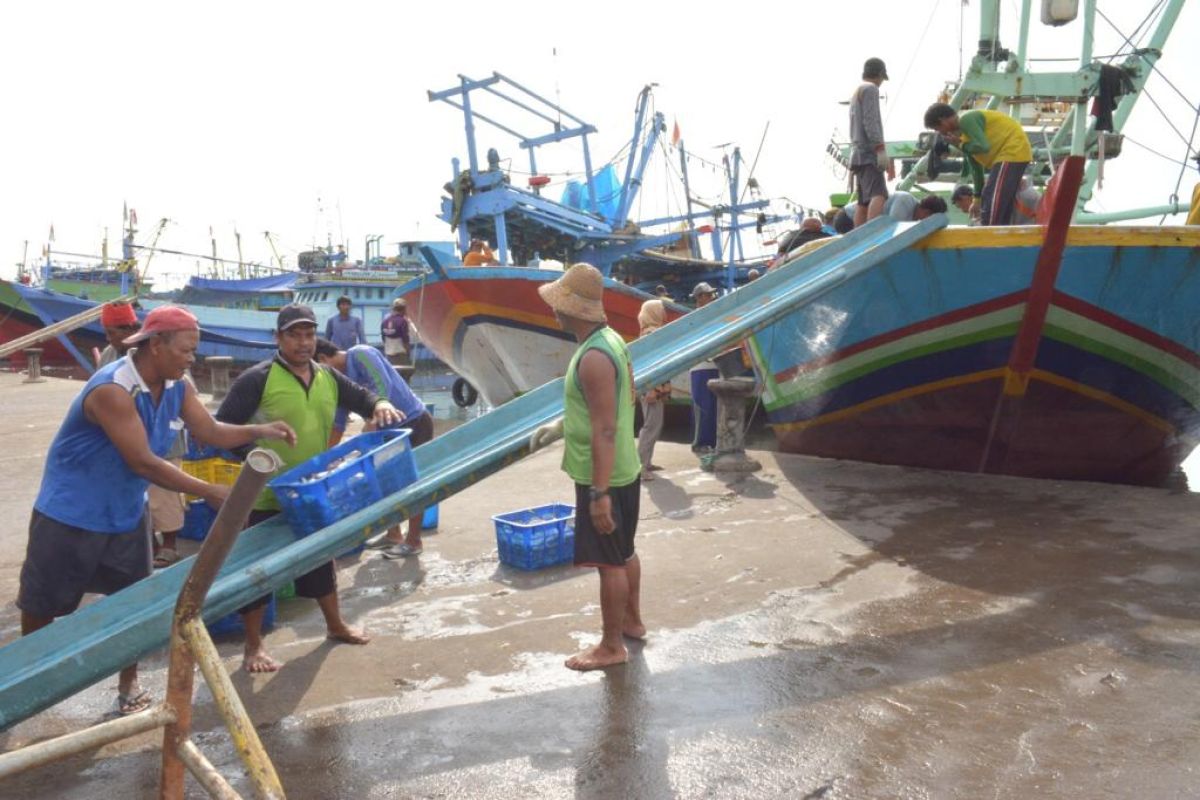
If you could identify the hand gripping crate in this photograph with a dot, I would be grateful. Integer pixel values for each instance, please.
(346, 479)
(538, 537)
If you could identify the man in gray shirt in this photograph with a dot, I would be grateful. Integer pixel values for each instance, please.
(868, 156)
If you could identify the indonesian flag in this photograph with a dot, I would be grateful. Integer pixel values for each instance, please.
(133, 216)
(676, 135)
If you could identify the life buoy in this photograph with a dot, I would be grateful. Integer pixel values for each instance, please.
(464, 394)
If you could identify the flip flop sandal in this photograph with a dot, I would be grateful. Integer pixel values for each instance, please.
(165, 558)
(133, 703)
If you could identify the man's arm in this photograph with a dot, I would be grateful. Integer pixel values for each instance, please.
(113, 410)
(974, 126)
(872, 120)
(224, 435)
(359, 332)
(364, 402)
(598, 379)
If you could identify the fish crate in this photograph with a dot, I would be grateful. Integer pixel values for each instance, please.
(337, 483)
(232, 623)
(534, 538)
(215, 469)
(197, 519)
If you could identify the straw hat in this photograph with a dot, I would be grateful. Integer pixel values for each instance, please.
(578, 293)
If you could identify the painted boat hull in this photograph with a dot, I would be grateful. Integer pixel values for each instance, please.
(907, 364)
(490, 325)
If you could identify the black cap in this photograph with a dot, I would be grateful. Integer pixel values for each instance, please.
(294, 314)
(875, 68)
(961, 192)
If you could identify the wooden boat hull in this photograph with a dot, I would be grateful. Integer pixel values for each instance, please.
(907, 364)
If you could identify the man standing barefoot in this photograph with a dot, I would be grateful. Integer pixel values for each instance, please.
(601, 457)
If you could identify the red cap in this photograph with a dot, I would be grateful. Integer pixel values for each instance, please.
(165, 319)
(117, 315)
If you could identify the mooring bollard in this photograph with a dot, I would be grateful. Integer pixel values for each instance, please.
(218, 367)
(731, 425)
(34, 365)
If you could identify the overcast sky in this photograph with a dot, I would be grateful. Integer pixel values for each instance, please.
(311, 120)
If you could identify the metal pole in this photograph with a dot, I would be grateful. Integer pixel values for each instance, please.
(1022, 48)
(36, 755)
(245, 738)
(205, 773)
(260, 465)
(1079, 134)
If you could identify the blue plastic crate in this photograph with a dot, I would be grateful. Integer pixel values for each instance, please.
(384, 465)
(197, 519)
(533, 538)
(232, 623)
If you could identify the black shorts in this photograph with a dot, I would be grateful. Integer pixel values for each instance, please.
(63, 562)
(315, 583)
(594, 549)
(869, 182)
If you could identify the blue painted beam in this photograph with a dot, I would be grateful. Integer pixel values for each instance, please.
(74, 652)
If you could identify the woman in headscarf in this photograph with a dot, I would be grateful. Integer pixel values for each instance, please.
(652, 317)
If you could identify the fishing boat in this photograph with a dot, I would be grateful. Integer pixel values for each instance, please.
(1066, 350)
(487, 322)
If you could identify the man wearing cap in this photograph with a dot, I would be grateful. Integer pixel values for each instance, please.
(88, 531)
(119, 322)
(294, 388)
(991, 141)
(868, 149)
(600, 456)
(704, 402)
(395, 334)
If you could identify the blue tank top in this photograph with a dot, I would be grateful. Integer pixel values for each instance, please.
(86, 483)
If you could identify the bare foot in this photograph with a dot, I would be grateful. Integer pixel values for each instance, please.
(260, 661)
(635, 632)
(597, 657)
(348, 635)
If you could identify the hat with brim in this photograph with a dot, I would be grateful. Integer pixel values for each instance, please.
(579, 293)
(703, 287)
(118, 315)
(165, 319)
(399, 302)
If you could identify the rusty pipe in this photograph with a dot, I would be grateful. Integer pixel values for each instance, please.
(205, 773)
(260, 465)
(35, 755)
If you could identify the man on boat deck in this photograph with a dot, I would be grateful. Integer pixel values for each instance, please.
(479, 255)
(600, 455)
(868, 149)
(992, 141)
(345, 330)
(294, 388)
(394, 328)
(88, 531)
(904, 207)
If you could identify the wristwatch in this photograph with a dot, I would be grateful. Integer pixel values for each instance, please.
(595, 494)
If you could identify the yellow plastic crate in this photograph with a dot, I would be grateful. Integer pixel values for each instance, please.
(212, 470)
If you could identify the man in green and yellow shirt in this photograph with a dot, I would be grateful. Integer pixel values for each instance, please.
(600, 455)
(991, 141)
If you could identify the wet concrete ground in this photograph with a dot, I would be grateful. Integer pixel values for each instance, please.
(820, 629)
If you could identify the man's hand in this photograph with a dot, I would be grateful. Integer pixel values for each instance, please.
(216, 495)
(973, 213)
(276, 430)
(548, 433)
(891, 170)
(386, 414)
(602, 518)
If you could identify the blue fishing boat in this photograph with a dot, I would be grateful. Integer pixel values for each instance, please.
(1064, 350)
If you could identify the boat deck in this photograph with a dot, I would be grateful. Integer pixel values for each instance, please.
(820, 628)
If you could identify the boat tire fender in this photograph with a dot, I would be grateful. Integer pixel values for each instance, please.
(464, 393)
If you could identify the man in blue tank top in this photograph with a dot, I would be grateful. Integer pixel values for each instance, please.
(88, 530)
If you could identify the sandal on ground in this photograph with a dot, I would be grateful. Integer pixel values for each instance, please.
(165, 557)
(135, 702)
(402, 550)
(379, 541)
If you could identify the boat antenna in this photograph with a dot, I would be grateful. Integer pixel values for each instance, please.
(557, 95)
(961, 22)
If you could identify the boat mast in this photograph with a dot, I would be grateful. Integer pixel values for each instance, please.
(693, 245)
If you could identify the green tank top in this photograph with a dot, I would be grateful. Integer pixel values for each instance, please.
(310, 413)
(577, 425)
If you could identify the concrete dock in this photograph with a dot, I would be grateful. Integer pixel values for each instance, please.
(819, 629)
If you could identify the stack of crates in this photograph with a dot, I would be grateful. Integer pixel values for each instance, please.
(210, 466)
(533, 538)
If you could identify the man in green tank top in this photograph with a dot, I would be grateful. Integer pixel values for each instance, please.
(600, 455)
